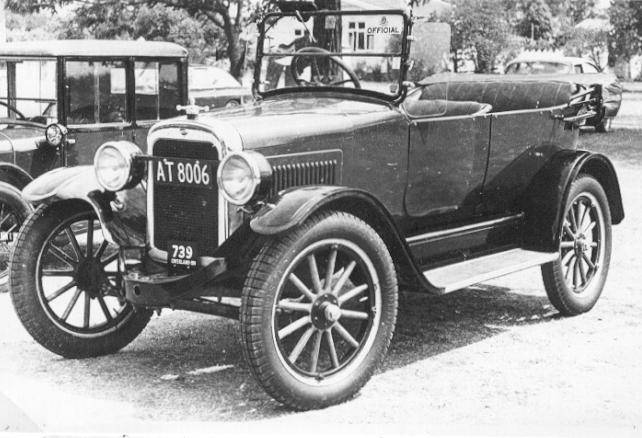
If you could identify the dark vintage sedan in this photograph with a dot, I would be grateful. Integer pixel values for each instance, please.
(303, 213)
(581, 71)
(60, 100)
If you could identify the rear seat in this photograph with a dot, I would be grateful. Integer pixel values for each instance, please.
(502, 95)
(445, 108)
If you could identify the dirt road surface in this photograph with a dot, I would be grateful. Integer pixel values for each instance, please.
(495, 358)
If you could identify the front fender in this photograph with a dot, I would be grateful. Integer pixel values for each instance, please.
(294, 206)
(121, 214)
(546, 197)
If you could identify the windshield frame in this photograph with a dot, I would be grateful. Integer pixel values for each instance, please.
(403, 66)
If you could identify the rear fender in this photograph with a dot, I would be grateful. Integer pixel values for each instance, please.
(121, 214)
(547, 195)
(294, 206)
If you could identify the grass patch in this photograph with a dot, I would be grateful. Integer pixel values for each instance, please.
(621, 145)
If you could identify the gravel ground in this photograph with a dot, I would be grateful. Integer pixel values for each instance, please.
(493, 359)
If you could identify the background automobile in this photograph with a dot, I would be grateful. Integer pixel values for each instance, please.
(214, 87)
(86, 92)
(315, 204)
(581, 71)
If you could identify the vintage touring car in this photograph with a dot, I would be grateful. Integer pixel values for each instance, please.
(60, 100)
(314, 204)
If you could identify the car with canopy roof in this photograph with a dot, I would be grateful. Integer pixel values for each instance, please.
(303, 213)
(60, 100)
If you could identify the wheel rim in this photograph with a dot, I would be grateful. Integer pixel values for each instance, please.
(78, 279)
(326, 312)
(582, 243)
(9, 225)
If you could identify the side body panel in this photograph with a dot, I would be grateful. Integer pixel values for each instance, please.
(447, 164)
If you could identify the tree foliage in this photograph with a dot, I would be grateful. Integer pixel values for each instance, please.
(625, 38)
(228, 17)
(480, 27)
(536, 22)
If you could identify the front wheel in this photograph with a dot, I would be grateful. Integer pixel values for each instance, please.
(65, 283)
(574, 282)
(318, 311)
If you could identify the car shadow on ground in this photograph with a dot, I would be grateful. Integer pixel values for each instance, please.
(190, 367)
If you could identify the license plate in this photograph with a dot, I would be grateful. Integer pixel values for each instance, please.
(184, 172)
(182, 256)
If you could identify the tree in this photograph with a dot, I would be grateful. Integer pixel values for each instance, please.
(157, 23)
(480, 28)
(590, 43)
(228, 16)
(625, 37)
(536, 22)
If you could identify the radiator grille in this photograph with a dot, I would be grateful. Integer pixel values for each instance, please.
(301, 174)
(188, 214)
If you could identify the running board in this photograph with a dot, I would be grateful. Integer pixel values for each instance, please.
(463, 274)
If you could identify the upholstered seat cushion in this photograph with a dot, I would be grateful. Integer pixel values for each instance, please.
(444, 108)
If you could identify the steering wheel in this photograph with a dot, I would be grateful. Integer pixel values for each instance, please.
(318, 78)
(14, 109)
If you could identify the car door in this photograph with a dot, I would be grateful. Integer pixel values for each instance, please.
(448, 152)
(96, 106)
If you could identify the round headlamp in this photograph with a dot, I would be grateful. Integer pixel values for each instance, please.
(115, 167)
(242, 175)
(55, 134)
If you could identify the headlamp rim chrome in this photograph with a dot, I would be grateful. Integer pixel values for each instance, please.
(261, 173)
(63, 133)
(129, 152)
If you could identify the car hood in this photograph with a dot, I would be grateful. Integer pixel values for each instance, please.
(297, 119)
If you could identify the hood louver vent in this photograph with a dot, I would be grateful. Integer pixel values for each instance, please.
(302, 174)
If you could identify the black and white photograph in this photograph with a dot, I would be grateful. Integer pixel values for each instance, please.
(320, 217)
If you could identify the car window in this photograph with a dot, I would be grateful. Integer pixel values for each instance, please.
(157, 90)
(578, 68)
(536, 67)
(590, 68)
(30, 87)
(97, 92)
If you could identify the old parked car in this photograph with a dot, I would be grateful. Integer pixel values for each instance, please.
(582, 71)
(302, 213)
(60, 100)
(213, 87)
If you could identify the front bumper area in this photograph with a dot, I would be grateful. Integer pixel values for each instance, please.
(164, 290)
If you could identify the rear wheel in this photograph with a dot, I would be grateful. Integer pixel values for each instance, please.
(574, 282)
(65, 284)
(318, 311)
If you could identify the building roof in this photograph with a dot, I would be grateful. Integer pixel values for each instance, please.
(106, 48)
(349, 5)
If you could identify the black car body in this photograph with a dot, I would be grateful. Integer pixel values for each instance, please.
(314, 203)
(93, 91)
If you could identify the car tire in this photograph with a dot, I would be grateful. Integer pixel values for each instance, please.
(51, 270)
(13, 212)
(232, 104)
(574, 282)
(348, 325)
(604, 125)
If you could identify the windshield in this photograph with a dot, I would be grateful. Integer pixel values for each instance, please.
(28, 90)
(536, 67)
(330, 49)
(206, 78)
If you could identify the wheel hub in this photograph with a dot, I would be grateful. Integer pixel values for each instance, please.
(325, 311)
(581, 244)
(90, 275)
